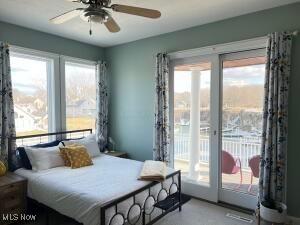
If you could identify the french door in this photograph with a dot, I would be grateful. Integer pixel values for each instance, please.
(217, 104)
(195, 123)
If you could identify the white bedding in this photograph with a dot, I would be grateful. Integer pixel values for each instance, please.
(79, 193)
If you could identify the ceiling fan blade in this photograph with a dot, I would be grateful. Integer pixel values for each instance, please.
(78, 1)
(150, 13)
(66, 16)
(112, 26)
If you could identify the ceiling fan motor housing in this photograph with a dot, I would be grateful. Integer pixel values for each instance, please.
(95, 15)
(97, 2)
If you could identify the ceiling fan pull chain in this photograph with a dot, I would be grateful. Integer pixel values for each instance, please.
(90, 26)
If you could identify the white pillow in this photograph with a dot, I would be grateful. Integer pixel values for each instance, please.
(89, 142)
(44, 158)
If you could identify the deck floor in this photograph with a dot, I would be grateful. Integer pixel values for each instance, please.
(230, 182)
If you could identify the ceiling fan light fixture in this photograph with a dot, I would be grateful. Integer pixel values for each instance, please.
(99, 16)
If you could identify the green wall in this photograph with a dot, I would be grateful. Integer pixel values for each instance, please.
(37, 40)
(132, 82)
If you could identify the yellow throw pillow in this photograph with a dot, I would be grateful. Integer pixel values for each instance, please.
(2, 169)
(64, 155)
(78, 156)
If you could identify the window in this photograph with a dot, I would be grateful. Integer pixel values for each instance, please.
(51, 92)
(80, 89)
(30, 92)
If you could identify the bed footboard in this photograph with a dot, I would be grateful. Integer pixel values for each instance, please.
(146, 205)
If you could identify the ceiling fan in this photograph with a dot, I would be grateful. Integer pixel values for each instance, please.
(97, 12)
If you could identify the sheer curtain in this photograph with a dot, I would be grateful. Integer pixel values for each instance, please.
(102, 105)
(161, 148)
(7, 120)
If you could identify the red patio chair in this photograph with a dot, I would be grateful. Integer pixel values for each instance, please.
(254, 166)
(231, 165)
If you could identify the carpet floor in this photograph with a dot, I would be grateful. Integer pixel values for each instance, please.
(195, 212)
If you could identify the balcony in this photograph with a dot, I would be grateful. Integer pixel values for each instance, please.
(242, 148)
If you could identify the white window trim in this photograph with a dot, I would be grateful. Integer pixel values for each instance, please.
(32, 52)
(55, 82)
(78, 60)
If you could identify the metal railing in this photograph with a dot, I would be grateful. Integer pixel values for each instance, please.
(244, 148)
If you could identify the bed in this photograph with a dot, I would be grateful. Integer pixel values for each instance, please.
(107, 193)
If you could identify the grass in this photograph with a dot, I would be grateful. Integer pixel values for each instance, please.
(78, 123)
(74, 123)
(32, 132)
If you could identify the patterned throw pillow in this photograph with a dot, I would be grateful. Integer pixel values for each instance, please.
(63, 152)
(64, 156)
(78, 156)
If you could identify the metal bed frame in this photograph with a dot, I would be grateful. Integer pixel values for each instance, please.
(144, 217)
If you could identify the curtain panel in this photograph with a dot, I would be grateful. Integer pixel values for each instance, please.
(275, 118)
(161, 149)
(7, 121)
(102, 105)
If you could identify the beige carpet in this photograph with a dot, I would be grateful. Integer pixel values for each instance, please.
(195, 212)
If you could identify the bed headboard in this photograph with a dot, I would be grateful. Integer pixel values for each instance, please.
(29, 140)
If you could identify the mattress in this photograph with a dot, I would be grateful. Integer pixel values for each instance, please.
(79, 193)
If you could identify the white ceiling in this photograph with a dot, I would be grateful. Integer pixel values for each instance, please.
(176, 15)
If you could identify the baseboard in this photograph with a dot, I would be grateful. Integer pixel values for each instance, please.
(294, 220)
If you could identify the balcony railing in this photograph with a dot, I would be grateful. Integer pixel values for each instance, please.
(244, 148)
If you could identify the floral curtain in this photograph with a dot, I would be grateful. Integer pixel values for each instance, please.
(7, 121)
(161, 151)
(275, 118)
(102, 105)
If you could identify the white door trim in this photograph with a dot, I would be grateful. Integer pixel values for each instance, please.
(236, 46)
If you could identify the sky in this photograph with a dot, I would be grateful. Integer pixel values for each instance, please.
(29, 75)
(238, 76)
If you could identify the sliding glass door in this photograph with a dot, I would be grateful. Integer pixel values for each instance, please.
(241, 115)
(217, 104)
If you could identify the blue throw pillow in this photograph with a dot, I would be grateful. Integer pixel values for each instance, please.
(25, 162)
(23, 155)
(46, 145)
